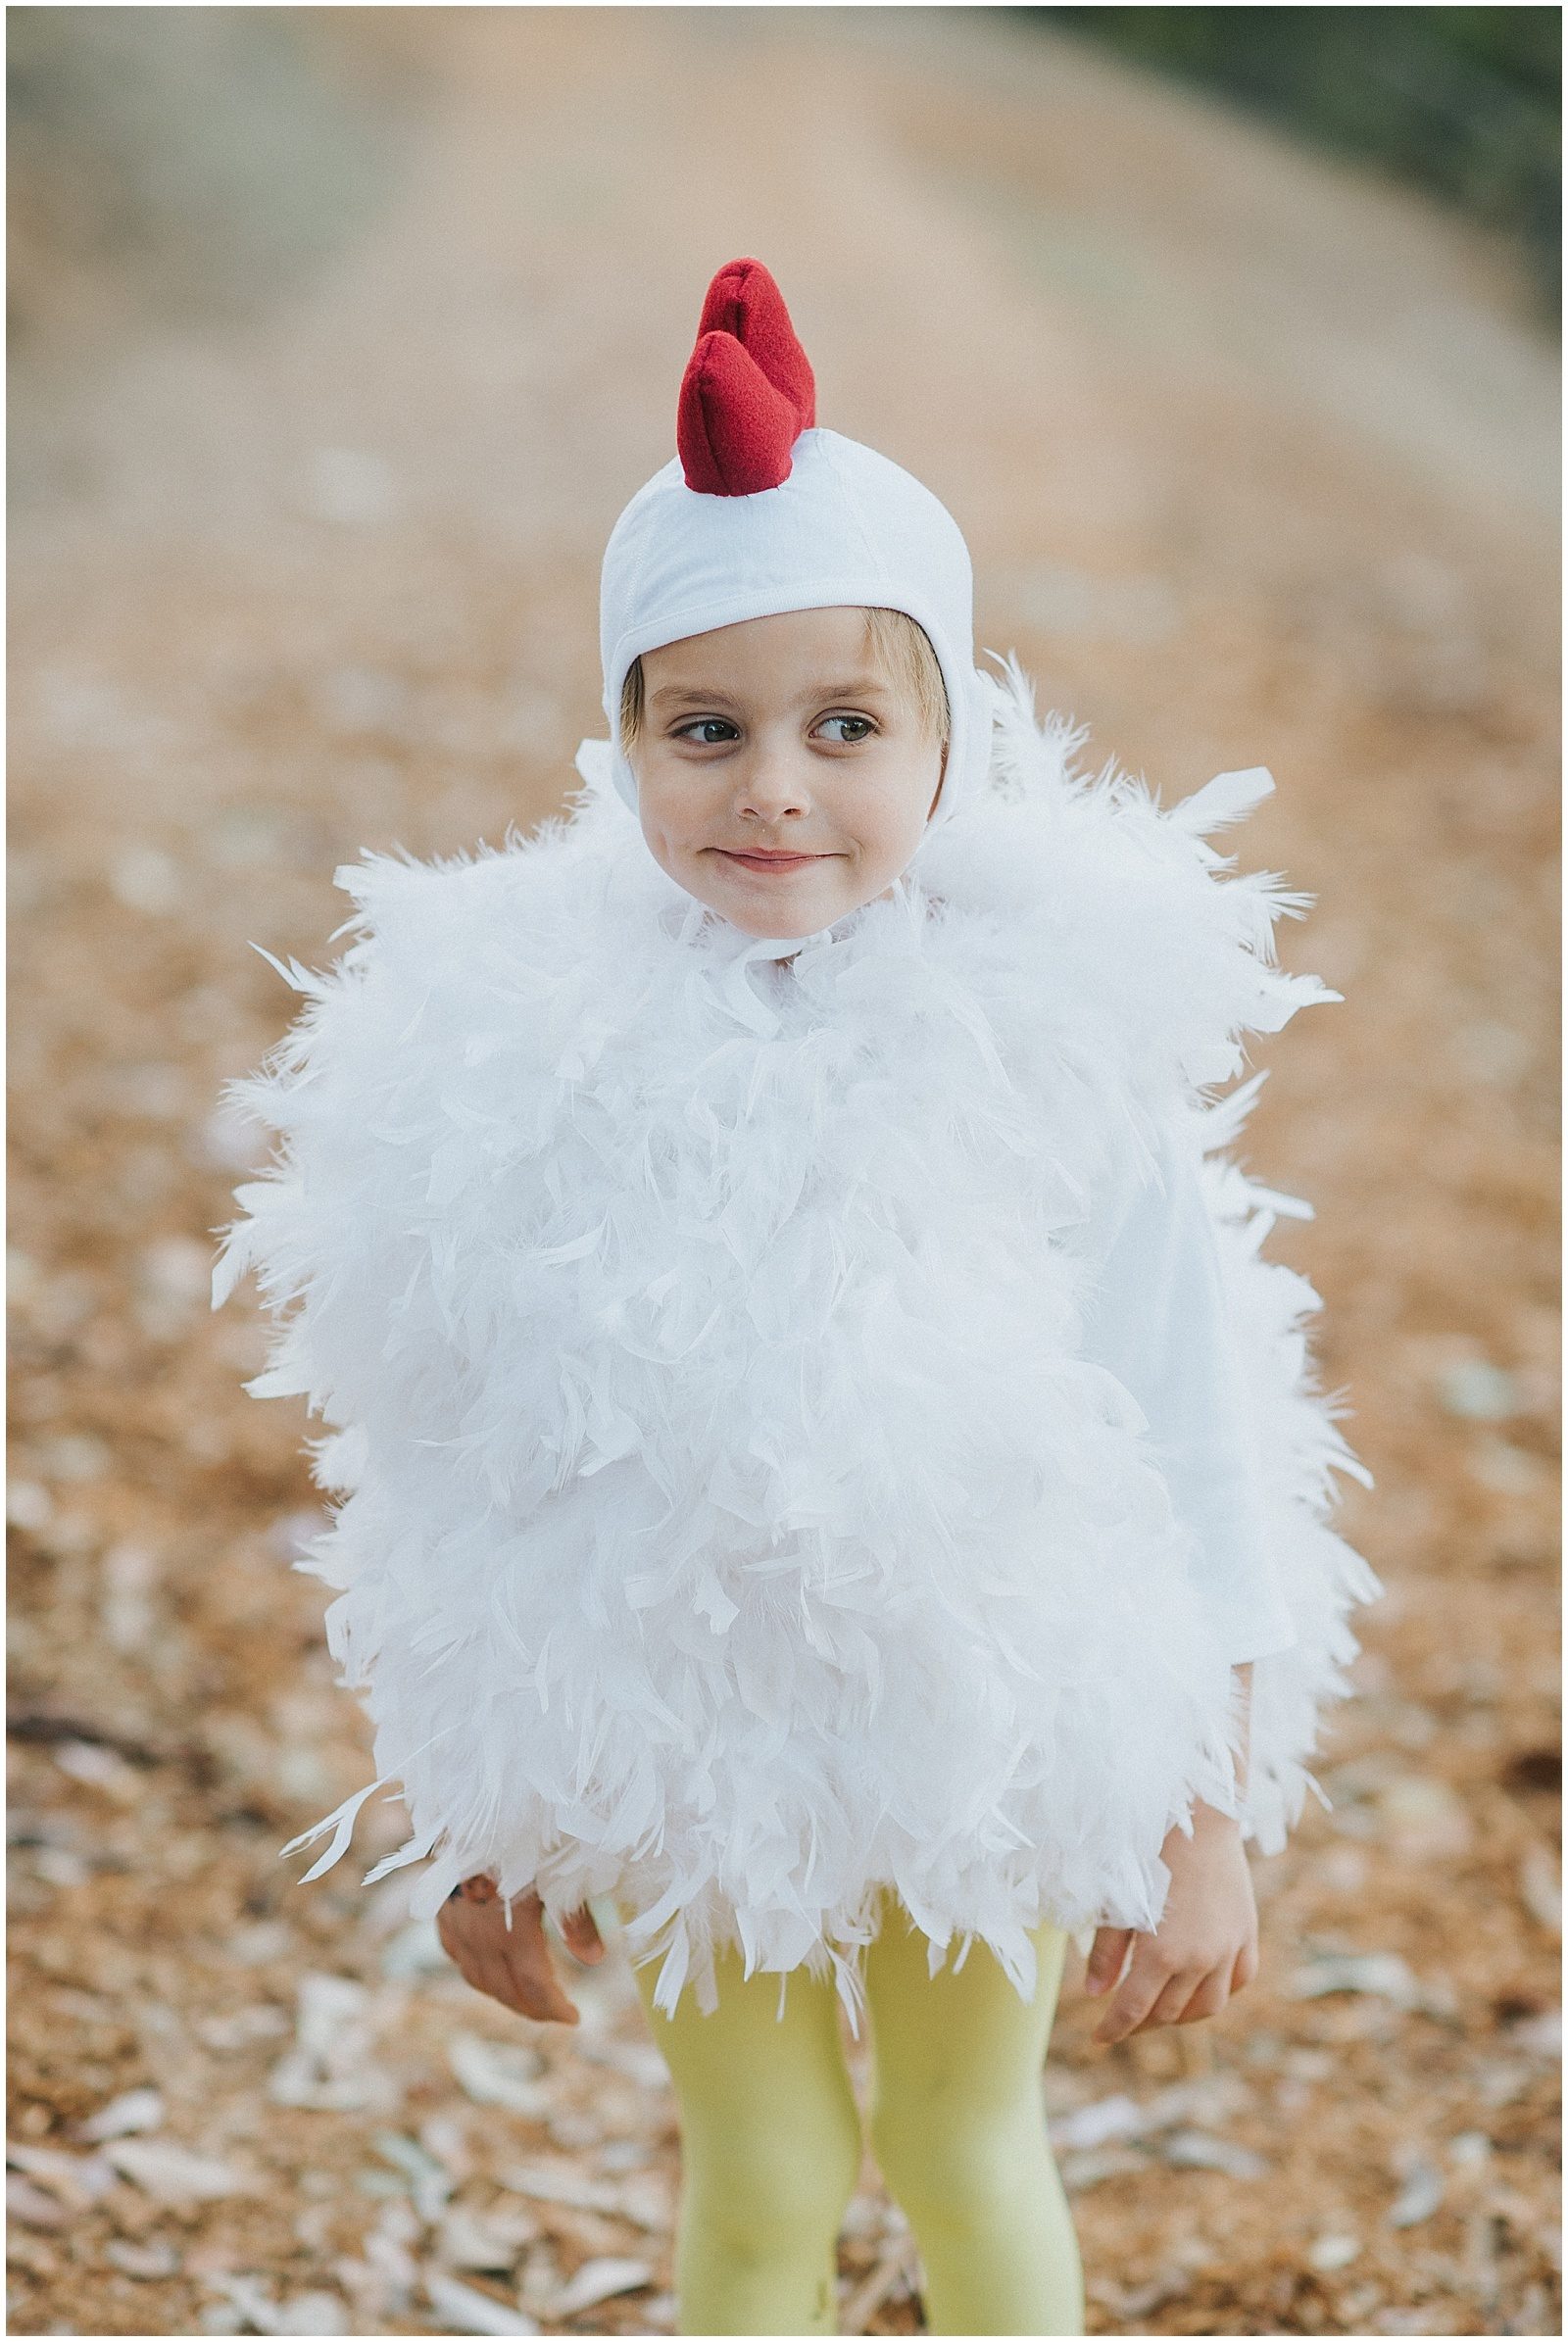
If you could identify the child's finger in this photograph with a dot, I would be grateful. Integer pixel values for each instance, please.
(530, 1972)
(1105, 1958)
(520, 1985)
(507, 1965)
(541, 1998)
(581, 1931)
(1209, 1998)
(487, 1972)
(463, 1946)
(1171, 2001)
(1145, 1979)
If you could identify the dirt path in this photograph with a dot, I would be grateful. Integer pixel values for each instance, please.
(1257, 459)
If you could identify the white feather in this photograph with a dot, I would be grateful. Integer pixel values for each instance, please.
(1229, 797)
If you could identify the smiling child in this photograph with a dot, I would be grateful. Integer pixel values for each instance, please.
(821, 1465)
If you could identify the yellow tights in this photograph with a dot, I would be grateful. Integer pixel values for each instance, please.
(770, 2142)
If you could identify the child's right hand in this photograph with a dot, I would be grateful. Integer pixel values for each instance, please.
(512, 1965)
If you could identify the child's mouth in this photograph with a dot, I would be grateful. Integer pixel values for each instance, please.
(769, 862)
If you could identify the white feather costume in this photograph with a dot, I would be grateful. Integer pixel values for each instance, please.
(726, 1511)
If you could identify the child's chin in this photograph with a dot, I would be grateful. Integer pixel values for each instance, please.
(779, 906)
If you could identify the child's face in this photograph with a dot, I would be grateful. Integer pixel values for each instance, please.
(777, 735)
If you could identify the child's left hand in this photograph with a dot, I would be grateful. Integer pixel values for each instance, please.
(1204, 1948)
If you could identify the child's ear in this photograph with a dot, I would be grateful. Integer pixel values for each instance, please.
(941, 777)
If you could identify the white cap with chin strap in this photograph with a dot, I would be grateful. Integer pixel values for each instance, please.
(763, 512)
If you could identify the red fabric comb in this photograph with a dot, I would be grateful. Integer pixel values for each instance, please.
(747, 391)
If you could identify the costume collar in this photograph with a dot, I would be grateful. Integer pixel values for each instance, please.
(728, 954)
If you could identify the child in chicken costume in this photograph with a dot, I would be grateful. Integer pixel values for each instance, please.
(816, 1454)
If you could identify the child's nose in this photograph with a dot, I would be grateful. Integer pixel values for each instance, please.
(773, 784)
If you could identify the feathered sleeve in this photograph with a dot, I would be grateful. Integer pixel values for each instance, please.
(1159, 1320)
(1174, 967)
(343, 1229)
(1295, 1428)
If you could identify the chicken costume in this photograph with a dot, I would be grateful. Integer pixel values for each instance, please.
(806, 1414)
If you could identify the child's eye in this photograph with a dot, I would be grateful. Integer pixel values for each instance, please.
(705, 724)
(711, 731)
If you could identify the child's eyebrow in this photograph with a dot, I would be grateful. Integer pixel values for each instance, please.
(859, 687)
(678, 695)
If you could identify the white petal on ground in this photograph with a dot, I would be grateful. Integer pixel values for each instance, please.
(173, 2174)
(31, 2206)
(78, 2179)
(599, 2281)
(1541, 1889)
(1419, 2197)
(1333, 2250)
(133, 2110)
(333, 2065)
(465, 2310)
(1200, 2151)
(561, 2183)
(149, 2263)
(499, 2073)
(1096, 2126)
(489, 2241)
(306, 2314)
(1383, 1976)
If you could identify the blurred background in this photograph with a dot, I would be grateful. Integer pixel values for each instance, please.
(338, 340)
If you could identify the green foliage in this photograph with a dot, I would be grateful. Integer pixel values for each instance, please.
(1465, 101)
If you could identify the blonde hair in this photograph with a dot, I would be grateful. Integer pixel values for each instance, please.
(896, 643)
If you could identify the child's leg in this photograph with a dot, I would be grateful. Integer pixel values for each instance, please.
(959, 2128)
(770, 2150)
